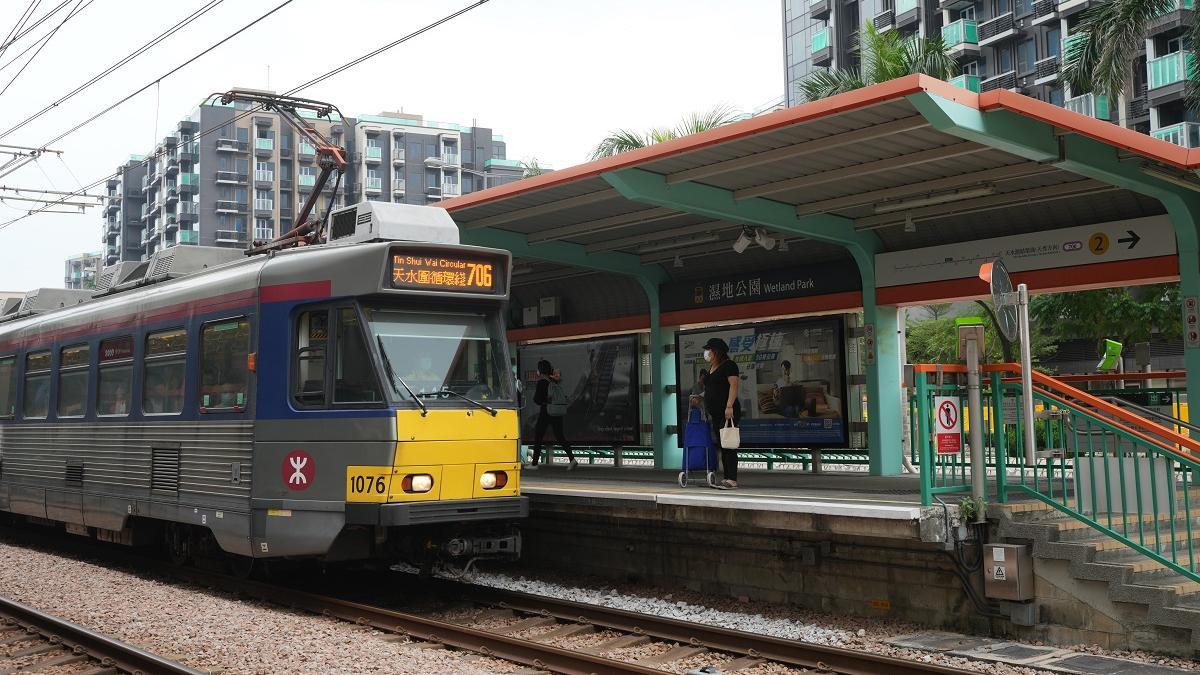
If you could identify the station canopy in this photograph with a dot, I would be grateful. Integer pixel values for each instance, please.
(914, 162)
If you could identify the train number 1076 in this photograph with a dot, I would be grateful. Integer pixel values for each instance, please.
(367, 484)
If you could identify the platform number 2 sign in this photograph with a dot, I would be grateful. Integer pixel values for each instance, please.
(1098, 243)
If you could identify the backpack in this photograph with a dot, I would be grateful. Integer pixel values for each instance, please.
(557, 403)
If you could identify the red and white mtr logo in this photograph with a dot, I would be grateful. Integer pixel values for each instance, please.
(299, 470)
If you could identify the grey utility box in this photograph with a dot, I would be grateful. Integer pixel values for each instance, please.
(1008, 572)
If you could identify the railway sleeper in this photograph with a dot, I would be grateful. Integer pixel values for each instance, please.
(676, 653)
(618, 643)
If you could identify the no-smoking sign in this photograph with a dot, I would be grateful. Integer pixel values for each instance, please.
(947, 425)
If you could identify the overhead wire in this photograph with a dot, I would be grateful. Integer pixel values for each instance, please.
(79, 7)
(180, 25)
(14, 39)
(205, 132)
(8, 39)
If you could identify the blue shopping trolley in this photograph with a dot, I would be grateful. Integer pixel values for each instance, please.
(699, 452)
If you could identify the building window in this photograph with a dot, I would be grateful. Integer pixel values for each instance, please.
(971, 68)
(1023, 7)
(264, 200)
(1004, 60)
(1026, 56)
(1000, 7)
(354, 378)
(37, 386)
(164, 372)
(1056, 96)
(263, 230)
(373, 142)
(264, 171)
(243, 134)
(1053, 42)
(74, 367)
(8, 387)
(224, 352)
(114, 391)
(312, 336)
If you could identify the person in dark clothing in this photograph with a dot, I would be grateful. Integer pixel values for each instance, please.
(548, 376)
(721, 401)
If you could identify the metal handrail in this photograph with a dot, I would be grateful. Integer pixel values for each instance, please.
(1147, 412)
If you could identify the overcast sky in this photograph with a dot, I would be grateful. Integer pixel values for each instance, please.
(551, 76)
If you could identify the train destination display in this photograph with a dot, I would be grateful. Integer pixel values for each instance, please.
(600, 379)
(428, 271)
(793, 380)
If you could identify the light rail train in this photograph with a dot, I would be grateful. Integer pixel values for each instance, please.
(344, 401)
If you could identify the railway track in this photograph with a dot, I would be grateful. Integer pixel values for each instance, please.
(33, 641)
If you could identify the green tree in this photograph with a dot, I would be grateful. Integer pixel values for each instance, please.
(624, 140)
(1127, 315)
(1098, 53)
(532, 168)
(882, 57)
(936, 341)
(938, 310)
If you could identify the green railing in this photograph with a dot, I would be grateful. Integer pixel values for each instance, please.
(1178, 5)
(188, 237)
(1186, 134)
(374, 152)
(968, 82)
(1092, 105)
(1170, 69)
(963, 31)
(903, 6)
(1118, 473)
(189, 179)
(820, 40)
(264, 144)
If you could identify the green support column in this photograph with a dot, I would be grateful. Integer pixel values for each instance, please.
(662, 374)
(884, 417)
(1087, 157)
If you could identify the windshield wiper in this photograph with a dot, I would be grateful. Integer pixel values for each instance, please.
(393, 378)
(464, 397)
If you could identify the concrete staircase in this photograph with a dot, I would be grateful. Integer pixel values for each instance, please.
(1092, 588)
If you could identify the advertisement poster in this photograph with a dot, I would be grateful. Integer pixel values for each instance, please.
(793, 380)
(600, 379)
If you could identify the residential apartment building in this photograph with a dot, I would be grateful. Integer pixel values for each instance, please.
(248, 180)
(1006, 44)
(81, 271)
(402, 157)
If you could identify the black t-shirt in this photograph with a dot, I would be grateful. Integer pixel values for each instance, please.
(716, 389)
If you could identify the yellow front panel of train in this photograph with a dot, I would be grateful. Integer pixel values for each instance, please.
(456, 425)
(461, 445)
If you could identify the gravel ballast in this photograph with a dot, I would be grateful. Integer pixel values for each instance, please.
(212, 631)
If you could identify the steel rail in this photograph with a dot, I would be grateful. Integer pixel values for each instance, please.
(108, 651)
(788, 652)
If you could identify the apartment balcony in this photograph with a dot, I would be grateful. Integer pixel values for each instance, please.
(997, 29)
(231, 145)
(264, 178)
(451, 159)
(231, 178)
(307, 180)
(285, 213)
(186, 212)
(112, 225)
(885, 20)
(373, 154)
(146, 211)
(819, 9)
(961, 38)
(113, 204)
(145, 182)
(189, 127)
(954, 4)
(263, 121)
(264, 207)
(908, 13)
(1044, 12)
(1167, 77)
(228, 206)
(1092, 105)
(1002, 81)
(1068, 7)
(230, 237)
(190, 237)
(155, 177)
(305, 151)
(172, 166)
(285, 152)
(397, 155)
(373, 185)
(189, 152)
(1177, 15)
(172, 196)
(285, 183)
(434, 190)
(968, 82)
(821, 47)
(1185, 134)
(264, 147)
(171, 222)
(451, 189)
(1046, 70)
(1137, 108)
(398, 185)
(189, 182)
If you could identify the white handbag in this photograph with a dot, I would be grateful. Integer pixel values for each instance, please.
(731, 436)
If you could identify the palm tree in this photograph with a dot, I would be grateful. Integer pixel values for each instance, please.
(532, 168)
(882, 57)
(1096, 56)
(624, 140)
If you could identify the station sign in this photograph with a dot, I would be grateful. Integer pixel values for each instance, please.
(1121, 240)
(438, 271)
(757, 286)
(947, 425)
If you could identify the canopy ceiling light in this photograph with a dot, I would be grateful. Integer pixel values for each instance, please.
(909, 226)
(930, 200)
(783, 246)
(743, 241)
(763, 239)
(683, 242)
(678, 261)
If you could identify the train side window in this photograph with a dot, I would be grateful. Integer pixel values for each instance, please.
(312, 339)
(224, 371)
(115, 385)
(355, 377)
(74, 369)
(8, 387)
(164, 372)
(37, 386)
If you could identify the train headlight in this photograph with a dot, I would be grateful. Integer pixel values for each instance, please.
(493, 480)
(417, 482)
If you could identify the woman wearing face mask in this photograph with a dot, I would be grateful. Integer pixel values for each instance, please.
(721, 401)
(551, 402)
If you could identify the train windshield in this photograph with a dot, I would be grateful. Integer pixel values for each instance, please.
(431, 354)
